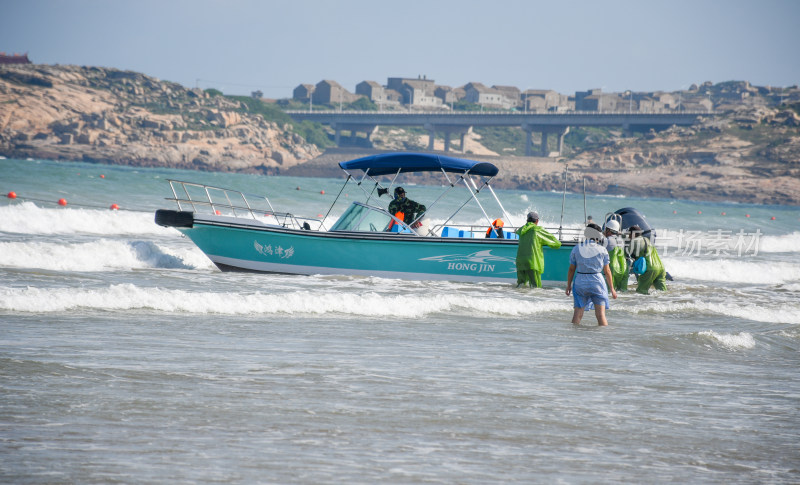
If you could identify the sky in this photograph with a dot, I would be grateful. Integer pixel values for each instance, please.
(239, 46)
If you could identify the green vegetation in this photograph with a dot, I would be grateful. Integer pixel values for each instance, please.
(504, 141)
(466, 106)
(362, 104)
(314, 133)
(269, 112)
(584, 138)
(213, 92)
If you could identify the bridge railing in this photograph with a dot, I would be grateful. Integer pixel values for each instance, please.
(504, 113)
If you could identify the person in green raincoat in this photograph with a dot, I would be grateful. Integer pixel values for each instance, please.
(530, 259)
(655, 275)
(616, 253)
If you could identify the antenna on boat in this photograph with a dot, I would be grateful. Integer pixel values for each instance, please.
(334, 201)
(563, 199)
(584, 199)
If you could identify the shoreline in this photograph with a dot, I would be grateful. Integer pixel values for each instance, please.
(516, 173)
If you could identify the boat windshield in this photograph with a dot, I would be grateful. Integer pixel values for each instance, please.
(360, 217)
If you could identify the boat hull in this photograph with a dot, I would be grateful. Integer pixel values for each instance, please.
(255, 247)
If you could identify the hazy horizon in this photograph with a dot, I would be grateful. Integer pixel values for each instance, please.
(245, 45)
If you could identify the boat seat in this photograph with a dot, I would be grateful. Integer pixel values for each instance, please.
(449, 232)
(466, 234)
(506, 235)
(401, 229)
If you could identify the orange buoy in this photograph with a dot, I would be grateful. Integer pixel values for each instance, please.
(218, 212)
(12, 195)
(322, 192)
(114, 207)
(674, 212)
(62, 201)
(747, 215)
(772, 218)
(102, 176)
(298, 188)
(723, 214)
(319, 215)
(699, 212)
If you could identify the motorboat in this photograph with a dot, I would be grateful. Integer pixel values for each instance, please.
(243, 232)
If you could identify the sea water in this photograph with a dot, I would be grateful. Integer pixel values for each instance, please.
(126, 356)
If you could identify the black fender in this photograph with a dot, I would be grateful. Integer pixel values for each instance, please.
(171, 218)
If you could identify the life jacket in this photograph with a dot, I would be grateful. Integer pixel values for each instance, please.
(400, 216)
(497, 225)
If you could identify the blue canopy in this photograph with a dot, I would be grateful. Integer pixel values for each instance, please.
(390, 163)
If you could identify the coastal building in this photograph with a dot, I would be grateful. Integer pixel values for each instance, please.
(477, 93)
(511, 93)
(419, 92)
(447, 94)
(14, 58)
(332, 93)
(596, 100)
(539, 100)
(303, 92)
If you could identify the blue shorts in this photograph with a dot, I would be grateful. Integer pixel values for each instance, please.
(589, 290)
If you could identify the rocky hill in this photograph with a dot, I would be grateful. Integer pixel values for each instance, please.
(751, 153)
(112, 116)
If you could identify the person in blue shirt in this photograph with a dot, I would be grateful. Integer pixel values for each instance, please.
(590, 261)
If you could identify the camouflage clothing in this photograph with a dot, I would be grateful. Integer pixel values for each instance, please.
(410, 209)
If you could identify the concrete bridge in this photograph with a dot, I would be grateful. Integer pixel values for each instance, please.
(460, 123)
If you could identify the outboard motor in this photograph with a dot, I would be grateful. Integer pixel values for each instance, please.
(628, 217)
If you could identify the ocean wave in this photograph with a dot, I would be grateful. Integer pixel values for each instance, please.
(741, 340)
(732, 270)
(28, 218)
(725, 242)
(132, 297)
(99, 255)
(785, 243)
(786, 313)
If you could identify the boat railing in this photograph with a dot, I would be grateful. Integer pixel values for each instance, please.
(210, 200)
(479, 232)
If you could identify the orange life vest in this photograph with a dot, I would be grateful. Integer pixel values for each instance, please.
(401, 216)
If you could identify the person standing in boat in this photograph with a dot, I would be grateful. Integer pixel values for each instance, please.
(590, 261)
(616, 254)
(409, 209)
(655, 274)
(530, 259)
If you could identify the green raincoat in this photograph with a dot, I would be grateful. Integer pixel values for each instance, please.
(655, 275)
(619, 268)
(530, 259)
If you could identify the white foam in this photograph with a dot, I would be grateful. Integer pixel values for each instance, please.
(99, 255)
(725, 243)
(741, 340)
(786, 313)
(732, 270)
(28, 218)
(131, 297)
(786, 243)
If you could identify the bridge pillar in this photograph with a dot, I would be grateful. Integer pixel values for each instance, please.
(543, 149)
(528, 129)
(338, 135)
(561, 139)
(431, 135)
(448, 131)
